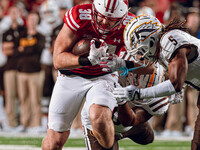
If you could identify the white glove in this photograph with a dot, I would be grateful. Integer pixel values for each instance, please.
(176, 98)
(120, 101)
(96, 53)
(129, 93)
(111, 63)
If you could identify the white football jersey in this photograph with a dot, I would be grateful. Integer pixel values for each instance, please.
(174, 39)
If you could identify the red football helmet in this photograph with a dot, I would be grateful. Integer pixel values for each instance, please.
(113, 10)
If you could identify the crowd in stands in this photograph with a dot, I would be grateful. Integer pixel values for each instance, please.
(28, 29)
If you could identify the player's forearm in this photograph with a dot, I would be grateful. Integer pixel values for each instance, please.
(65, 61)
(178, 69)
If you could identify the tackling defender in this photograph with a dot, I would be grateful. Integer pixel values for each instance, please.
(131, 119)
(179, 52)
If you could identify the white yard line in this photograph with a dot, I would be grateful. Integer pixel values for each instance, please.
(4, 134)
(17, 147)
(34, 135)
(7, 134)
(171, 138)
(24, 147)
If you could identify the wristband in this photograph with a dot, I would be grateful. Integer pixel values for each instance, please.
(129, 64)
(84, 61)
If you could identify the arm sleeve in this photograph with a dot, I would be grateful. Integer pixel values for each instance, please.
(162, 89)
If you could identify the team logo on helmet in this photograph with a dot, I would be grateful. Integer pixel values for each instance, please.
(141, 36)
(143, 31)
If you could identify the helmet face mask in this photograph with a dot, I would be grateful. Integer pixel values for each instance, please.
(141, 37)
(105, 29)
(111, 10)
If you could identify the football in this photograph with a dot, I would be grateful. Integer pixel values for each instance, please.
(82, 47)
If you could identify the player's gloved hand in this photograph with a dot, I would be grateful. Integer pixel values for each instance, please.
(129, 93)
(121, 101)
(176, 98)
(96, 53)
(111, 63)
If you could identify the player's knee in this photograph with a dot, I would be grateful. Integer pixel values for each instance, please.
(52, 144)
(99, 116)
(57, 145)
(97, 121)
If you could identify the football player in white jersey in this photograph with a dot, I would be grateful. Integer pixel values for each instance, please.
(132, 122)
(131, 119)
(179, 52)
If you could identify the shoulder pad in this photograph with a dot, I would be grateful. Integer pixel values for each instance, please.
(171, 41)
(75, 17)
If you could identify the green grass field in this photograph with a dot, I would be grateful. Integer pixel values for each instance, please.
(125, 144)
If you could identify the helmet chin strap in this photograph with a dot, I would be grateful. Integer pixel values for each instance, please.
(126, 70)
(105, 31)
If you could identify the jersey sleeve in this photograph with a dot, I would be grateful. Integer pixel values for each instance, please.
(172, 41)
(71, 19)
(77, 17)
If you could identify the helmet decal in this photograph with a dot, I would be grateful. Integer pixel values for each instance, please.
(144, 31)
(148, 28)
(111, 5)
